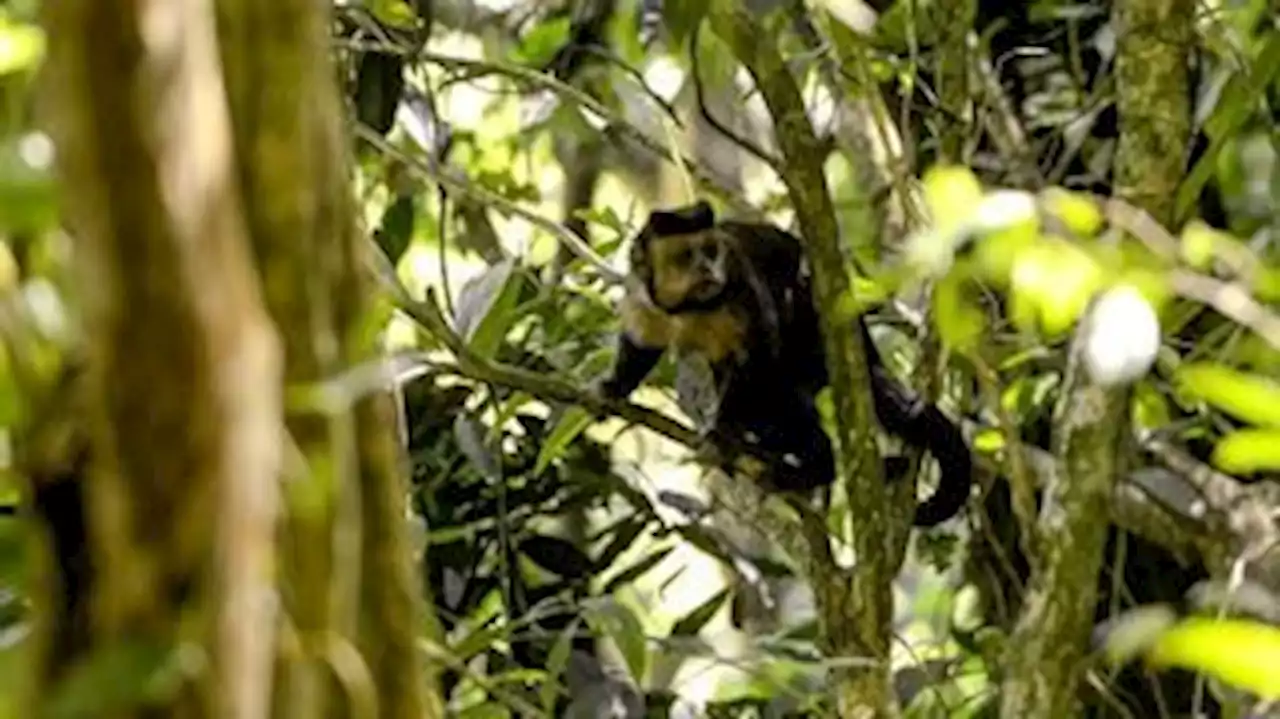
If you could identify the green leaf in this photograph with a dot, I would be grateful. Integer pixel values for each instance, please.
(394, 13)
(486, 307)
(951, 194)
(630, 574)
(620, 624)
(1242, 653)
(28, 190)
(1246, 451)
(1236, 104)
(694, 621)
(21, 46)
(680, 17)
(571, 424)
(122, 676)
(1053, 282)
(1248, 397)
(1077, 211)
(988, 441)
(540, 44)
(556, 555)
(396, 231)
(959, 319)
(557, 660)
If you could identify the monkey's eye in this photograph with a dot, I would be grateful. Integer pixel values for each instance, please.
(684, 257)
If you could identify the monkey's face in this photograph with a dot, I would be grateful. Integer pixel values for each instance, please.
(689, 271)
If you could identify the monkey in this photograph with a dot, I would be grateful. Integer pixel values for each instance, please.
(739, 294)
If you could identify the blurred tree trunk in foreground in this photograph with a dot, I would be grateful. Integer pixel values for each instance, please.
(348, 563)
(175, 184)
(183, 381)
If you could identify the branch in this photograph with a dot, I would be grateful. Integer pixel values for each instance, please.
(569, 239)
(566, 91)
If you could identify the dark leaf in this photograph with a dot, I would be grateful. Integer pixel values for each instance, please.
(557, 556)
(694, 621)
(379, 84)
(634, 571)
(397, 227)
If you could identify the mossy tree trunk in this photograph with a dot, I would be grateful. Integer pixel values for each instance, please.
(183, 366)
(854, 608)
(350, 572)
(1047, 649)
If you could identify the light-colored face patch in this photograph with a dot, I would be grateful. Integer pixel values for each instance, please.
(688, 267)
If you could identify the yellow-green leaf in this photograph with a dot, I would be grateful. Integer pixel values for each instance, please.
(1242, 653)
(1053, 282)
(1246, 451)
(1249, 397)
(1078, 212)
(21, 46)
(951, 194)
(988, 441)
(959, 319)
(395, 13)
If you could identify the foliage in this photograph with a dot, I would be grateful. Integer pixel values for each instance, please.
(544, 526)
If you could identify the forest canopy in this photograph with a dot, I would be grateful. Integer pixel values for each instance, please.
(314, 317)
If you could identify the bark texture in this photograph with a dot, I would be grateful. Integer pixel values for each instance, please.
(183, 363)
(350, 573)
(1047, 650)
(855, 609)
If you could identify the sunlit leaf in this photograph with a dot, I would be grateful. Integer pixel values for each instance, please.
(1249, 397)
(1244, 654)
(395, 13)
(1053, 282)
(1199, 243)
(1245, 451)
(1002, 209)
(1150, 406)
(539, 45)
(959, 319)
(571, 424)
(1078, 212)
(988, 441)
(952, 193)
(21, 46)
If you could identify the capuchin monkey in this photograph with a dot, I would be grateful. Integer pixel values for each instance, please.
(739, 295)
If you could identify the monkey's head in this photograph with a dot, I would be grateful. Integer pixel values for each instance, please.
(682, 259)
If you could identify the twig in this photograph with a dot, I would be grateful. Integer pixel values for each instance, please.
(1232, 300)
(575, 243)
(699, 92)
(586, 101)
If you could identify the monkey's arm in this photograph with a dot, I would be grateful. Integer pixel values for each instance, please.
(633, 364)
(922, 424)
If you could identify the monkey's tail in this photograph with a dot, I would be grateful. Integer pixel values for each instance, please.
(945, 442)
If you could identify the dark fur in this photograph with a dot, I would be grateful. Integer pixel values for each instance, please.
(760, 332)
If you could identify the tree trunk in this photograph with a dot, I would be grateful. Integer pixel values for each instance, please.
(351, 575)
(183, 364)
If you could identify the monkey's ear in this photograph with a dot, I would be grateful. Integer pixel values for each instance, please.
(697, 217)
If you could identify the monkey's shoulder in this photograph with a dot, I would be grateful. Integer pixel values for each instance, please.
(716, 334)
